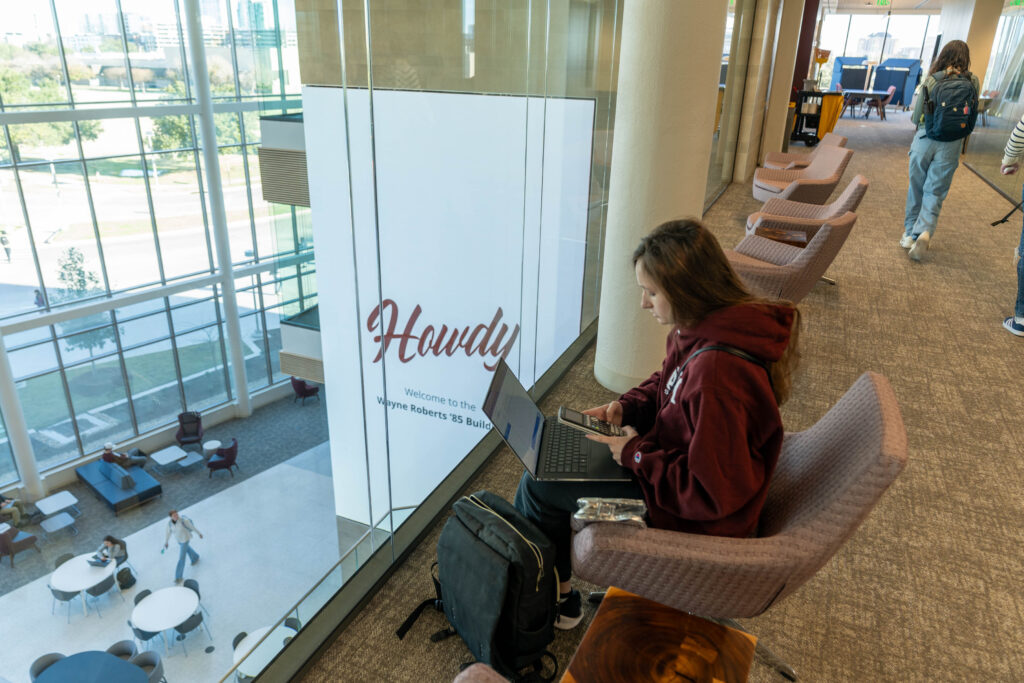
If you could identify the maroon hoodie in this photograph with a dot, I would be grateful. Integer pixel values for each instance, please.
(709, 437)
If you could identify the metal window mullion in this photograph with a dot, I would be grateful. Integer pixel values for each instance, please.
(62, 371)
(174, 354)
(280, 50)
(124, 374)
(185, 70)
(242, 138)
(221, 333)
(234, 50)
(262, 312)
(24, 213)
(61, 55)
(149, 201)
(124, 52)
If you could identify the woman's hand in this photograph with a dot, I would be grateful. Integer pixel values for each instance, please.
(609, 413)
(1009, 169)
(615, 443)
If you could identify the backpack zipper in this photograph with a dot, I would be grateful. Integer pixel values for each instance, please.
(533, 546)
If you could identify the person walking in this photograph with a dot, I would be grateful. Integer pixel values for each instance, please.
(182, 529)
(932, 160)
(1012, 154)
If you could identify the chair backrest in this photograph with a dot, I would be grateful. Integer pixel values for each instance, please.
(190, 624)
(298, 386)
(151, 663)
(101, 587)
(190, 422)
(891, 91)
(42, 663)
(237, 639)
(62, 559)
(808, 267)
(63, 596)
(849, 198)
(140, 634)
(141, 595)
(293, 623)
(833, 139)
(829, 477)
(829, 162)
(125, 649)
(7, 539)
(193, 585)
(229, 453)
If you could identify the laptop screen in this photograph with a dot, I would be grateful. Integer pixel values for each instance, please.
(514, 415)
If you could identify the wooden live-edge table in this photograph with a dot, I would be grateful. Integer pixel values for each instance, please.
(635, 639)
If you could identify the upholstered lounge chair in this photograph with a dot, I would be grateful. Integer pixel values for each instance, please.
(813, 184)
(782, 271)
(827, 481)
(224, 459)
(304, 390)
(13, 541)
(796, 222)
(190, 429)
(791, 160)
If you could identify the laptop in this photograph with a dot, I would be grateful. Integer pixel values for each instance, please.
(97, 561)
(550, 451)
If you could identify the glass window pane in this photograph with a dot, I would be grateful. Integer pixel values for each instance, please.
(100, 403)
(179, 216)
(89, 344)
(8, 471)
(906, 34)
(254, 349)
(48, 419)
(138, 309)
(194, 315)
(91, 33)
(63, 232)
(36, 334)
(36, 143)
(236, 203)
(33, 360)
(202, 368)
(867, 33)
(274, 342)
(154, 384)
(17, 277)
(140, 330)
(274, 225)
(33, 71)
(122, 213)
(155, 49)
(160, 133)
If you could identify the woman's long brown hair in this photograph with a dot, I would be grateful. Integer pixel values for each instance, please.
(956, 55)
(689, 266)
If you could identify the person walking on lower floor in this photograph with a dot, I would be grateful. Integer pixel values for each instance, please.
(933, 161)
(182, 529)
(1012, 155)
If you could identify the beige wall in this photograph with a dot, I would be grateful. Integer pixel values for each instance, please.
(975, 22)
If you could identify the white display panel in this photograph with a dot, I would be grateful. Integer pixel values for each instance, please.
(454, 213)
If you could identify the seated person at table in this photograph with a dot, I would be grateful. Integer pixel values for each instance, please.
(121, 459)
(12, 508)
(112, 549)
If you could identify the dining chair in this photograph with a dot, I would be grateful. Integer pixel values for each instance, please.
(62, 596)
(42, 663)
(62, 559)
(293, 623)
(189, 625)
(193, 586)
(151, 663)
(125, 649)
(239, 638)
(145, 636)
(99, 589)
(141, 595)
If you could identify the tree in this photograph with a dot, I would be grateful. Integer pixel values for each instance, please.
(173, 132)
(78, 282)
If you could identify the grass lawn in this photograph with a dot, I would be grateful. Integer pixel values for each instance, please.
(100, 383)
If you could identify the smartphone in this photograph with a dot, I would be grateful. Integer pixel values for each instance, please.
(586, 423)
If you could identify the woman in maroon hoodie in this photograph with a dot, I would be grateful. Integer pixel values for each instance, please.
(702, 434)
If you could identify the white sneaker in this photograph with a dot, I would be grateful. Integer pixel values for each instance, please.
(907, 241)
(920, 247)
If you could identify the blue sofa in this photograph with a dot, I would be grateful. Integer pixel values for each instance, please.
(120, 488)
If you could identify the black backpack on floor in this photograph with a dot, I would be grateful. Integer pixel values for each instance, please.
(497, 586)
(125, 578)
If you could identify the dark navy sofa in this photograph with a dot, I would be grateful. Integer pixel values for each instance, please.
(120, 488)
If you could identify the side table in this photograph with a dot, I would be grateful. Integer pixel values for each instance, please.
(61, 520)
(210, 447)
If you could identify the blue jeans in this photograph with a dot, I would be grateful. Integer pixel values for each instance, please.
(1018, 309)
(184, 548)
(932, 164)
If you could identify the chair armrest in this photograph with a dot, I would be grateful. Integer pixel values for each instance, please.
(711, 576)
(777, 174)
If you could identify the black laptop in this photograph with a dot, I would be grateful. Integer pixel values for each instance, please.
(549, 450)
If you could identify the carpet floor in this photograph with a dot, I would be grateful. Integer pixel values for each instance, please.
(928, 589)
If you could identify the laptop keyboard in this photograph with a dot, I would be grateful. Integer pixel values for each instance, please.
(564, 453)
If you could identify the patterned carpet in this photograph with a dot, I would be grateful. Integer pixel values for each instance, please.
(929, 587)
(269, 436)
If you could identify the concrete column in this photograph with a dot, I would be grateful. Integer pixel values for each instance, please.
(218, 216)
(17, 429)
(785, 61)
(755, 96)
(665, 113)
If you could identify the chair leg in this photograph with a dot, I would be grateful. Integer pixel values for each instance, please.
(828, 280)
(764, 653)
(596, 597)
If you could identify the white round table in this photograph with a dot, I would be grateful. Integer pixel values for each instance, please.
(210, 447)
(76, 575)
(252, 663)
(164, 609)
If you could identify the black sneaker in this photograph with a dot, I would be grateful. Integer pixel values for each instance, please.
(570, 611)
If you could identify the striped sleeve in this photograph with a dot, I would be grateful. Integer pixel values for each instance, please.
(1015, 145)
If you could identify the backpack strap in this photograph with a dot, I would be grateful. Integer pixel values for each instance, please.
(739, 353)
(434, 602)
(536, 673)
